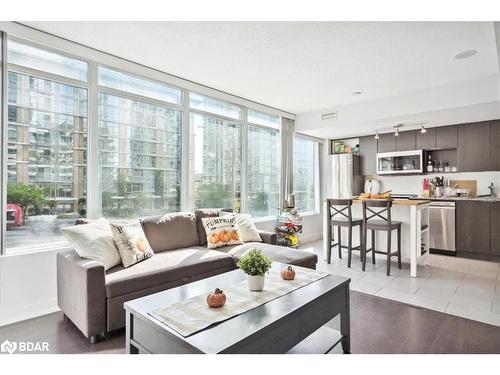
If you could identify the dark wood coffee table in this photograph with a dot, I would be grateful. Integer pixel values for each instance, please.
(293, 323)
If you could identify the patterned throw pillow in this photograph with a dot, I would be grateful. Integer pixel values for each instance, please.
(131, 242)
(221, 231)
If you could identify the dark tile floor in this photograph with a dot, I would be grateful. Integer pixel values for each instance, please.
(377, 326)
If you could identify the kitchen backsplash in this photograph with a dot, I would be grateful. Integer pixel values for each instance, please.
(413, 184)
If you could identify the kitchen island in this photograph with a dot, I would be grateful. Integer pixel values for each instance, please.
(414, 216)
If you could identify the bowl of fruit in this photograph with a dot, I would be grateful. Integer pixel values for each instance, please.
(386, 195)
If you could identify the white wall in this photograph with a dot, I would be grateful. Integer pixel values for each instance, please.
(413, 184)
(28, 286)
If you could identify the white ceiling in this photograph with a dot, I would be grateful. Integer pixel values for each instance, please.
(298, 66)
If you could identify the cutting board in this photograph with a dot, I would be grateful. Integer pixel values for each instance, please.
(465, 184)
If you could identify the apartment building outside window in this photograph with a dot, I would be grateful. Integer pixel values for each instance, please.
(263, 164)
(113, 146)
(140, 143)
(215, 153)
(46, 146)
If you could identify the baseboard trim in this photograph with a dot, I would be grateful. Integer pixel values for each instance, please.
(29, 312)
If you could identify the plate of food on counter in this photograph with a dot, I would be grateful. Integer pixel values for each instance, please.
(386, 195)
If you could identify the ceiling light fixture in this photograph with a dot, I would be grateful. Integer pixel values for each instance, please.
(396, 132)
(465, 54)
(377, 136)
(357, 93)
(423, 129)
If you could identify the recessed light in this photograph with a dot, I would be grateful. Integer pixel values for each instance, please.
(466, 54)
(357, 93)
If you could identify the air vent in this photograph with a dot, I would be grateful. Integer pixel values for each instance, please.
(329, 116)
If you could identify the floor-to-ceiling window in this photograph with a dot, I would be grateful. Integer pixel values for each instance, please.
(306, 174)
(140, 142)
(263, 164)
(47, 99)
(215, 153)
(85, 139)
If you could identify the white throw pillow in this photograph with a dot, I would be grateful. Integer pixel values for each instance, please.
(94, 241)
(221, 231)
(246, 226)
(131, 242)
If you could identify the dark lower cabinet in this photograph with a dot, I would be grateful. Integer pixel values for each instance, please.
(495, 229)
(473, 228)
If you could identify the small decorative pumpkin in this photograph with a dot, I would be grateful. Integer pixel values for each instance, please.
(216, 299)
(288, 273)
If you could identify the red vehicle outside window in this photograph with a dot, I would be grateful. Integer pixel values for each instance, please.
(14, 215)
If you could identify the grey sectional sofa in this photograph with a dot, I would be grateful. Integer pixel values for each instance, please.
(93, 299)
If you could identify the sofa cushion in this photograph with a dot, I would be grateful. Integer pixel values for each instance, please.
(279, 254)
(182, 264)
(202, 213)
(171, 231)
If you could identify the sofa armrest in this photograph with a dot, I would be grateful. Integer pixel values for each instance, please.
(268, 237)
(81, 292)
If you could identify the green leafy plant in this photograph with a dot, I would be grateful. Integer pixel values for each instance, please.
(254, 263)
(30, 198)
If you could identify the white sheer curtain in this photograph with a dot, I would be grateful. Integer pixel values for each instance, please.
(287, 136)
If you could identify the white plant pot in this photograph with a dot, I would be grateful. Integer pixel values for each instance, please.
(256, 283)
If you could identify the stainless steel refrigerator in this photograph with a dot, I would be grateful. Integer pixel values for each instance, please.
(342, 179)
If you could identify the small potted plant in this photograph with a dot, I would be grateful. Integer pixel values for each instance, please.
(255, 264)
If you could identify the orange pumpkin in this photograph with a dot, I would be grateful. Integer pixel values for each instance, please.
(225, 236)
(288, 273)
(214, 238)
(140, 244)
(235, 235)
(216, 299)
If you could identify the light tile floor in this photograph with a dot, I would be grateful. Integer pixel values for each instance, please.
(457, 286)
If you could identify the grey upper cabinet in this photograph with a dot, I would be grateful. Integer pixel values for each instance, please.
(495, 145)
(387, 143)
(495, 229)
(406, 141)
(368, 153)
(474, 147)
(427, 140)
(447, 137)
(473, 227)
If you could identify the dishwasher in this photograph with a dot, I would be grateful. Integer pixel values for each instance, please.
(442, 227)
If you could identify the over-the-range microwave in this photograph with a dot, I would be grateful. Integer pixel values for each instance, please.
(400, 162)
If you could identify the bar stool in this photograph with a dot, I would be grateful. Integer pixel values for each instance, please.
(337, 207)
(373, 209)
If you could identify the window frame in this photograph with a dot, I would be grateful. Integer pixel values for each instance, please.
(95, 58)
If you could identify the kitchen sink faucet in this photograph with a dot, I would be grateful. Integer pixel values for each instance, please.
(492, 190)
